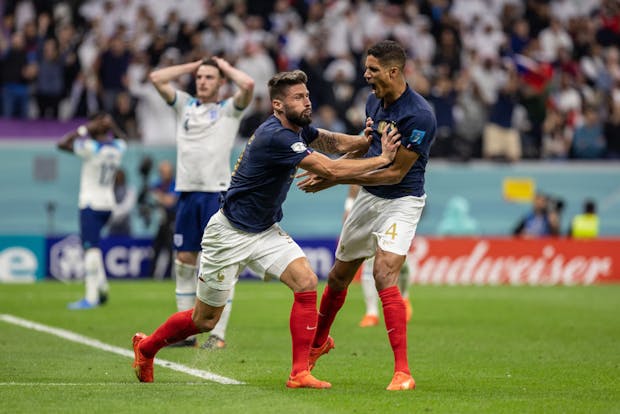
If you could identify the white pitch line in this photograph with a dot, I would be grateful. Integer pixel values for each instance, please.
(84, 340)
(80, 384)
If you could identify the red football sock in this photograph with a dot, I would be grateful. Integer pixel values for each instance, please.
(178, 327)
(331, 302)
(303, 325)
(395, 317)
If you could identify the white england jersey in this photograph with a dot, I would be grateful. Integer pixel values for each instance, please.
(205, 137)
(100, 161)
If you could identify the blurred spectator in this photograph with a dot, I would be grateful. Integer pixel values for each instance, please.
(588, 140)
(557, 137)
(164, 200)
(255, 61)
(154, 117)
(327, 118)
(218, 39)
(17, 70)
(535, 105)
(443, 95)
(586, 224)
(313, 63)
(111, 68)
(125, 196)
(471, 116)
(552, 39)
(500, 138)
(456, 219)
(542, 221)
(608, 32)
(340, 73)
(611, 130)
(50, 80)
(520, 36)
(258, 112)
(448, 51)
(422, 45)
(124, 115)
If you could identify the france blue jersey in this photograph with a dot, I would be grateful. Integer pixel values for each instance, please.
(416, 122)
(263, 175)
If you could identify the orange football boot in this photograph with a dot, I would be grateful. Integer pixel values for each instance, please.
(401, 381)
(315, 353)
(305, 380)
(141, 364)
(369, 320)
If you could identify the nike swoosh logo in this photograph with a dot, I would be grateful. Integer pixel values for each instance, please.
(390, 330)
(320, 314)
(310, 328)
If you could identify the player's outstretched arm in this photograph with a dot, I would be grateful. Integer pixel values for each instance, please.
(336, 143)
(244, 82)
(161, 78)
(393, 174)
(344, 168)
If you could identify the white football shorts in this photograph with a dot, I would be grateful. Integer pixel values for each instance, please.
(226, 251)
(379, 222)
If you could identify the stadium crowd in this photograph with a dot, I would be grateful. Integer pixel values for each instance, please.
(509, 79)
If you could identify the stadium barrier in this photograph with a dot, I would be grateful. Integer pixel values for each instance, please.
(445, 261)
(489, 261)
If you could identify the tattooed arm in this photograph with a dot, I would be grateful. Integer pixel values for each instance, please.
(336, 143)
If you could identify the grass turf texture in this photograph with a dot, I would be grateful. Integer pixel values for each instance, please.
(472, 350)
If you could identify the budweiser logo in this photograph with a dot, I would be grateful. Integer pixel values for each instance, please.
(514, 262)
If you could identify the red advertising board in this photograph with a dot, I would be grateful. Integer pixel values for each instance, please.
(488, 261)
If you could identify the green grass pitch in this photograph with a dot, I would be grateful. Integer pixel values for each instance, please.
(472, 350)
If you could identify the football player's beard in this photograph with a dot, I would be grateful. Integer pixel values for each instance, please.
(300, 119)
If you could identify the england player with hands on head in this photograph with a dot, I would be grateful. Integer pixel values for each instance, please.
(206, 130)
(385, 213)
(101, 155)
(245, 231)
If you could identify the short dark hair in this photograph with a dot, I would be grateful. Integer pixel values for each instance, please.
(589, 206)
(280, 82)
(389, 52)
(212, 62)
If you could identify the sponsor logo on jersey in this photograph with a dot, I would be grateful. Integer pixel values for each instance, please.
(298, 147)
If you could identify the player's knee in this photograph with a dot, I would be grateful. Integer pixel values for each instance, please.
(307, 283)
(337, 280)
(187, 258)
(205, 323)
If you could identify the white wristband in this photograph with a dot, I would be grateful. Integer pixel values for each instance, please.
(348, 204)
(82, 130)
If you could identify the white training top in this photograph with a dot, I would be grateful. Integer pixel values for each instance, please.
(99, 164)
(205, 137)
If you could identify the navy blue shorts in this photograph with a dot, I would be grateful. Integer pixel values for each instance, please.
(194, 210)
(91, 224)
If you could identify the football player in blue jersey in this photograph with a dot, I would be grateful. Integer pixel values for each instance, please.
(385, 213)
(245, 231)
